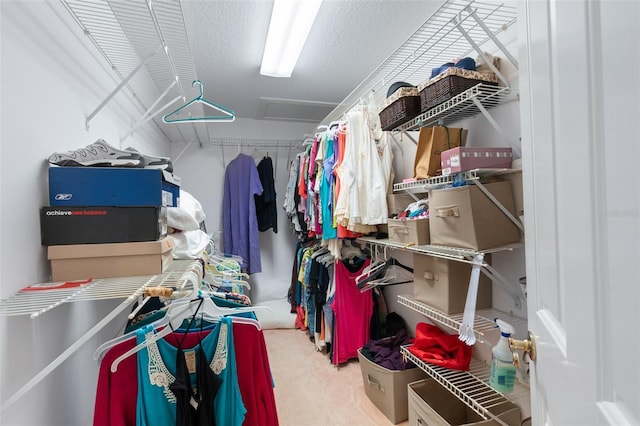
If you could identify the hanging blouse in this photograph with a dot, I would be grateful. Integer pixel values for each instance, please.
(157, 403)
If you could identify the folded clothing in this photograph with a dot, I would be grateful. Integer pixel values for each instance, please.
(434, 346)
(386, 352)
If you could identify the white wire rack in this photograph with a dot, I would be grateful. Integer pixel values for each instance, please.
(466, 104)
(483, 323)
(36, 303)
(437, 182)
(135, 32)
(471, 387)
(450, 32)
(451, 253)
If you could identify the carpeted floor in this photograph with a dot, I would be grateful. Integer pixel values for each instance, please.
(311, 391)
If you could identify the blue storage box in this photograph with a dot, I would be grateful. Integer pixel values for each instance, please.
(113, 186)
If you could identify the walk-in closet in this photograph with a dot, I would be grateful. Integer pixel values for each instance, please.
(416, 212)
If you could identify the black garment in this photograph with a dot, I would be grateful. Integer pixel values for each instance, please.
(195, 408)
(266, 209)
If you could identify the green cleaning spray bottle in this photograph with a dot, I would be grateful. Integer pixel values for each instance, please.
(503, 372)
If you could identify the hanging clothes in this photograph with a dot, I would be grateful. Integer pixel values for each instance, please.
(240, 223)
(157, 403)
(266, 209)
(352, 311)
(116, 393)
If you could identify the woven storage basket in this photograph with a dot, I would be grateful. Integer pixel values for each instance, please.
(399, 112)
(448, 86)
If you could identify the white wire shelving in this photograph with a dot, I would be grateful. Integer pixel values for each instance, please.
(471, 387)
(437, 182)
(455, 30)
(483, 323)
(180, 275)
(464, 105)
(36, 303)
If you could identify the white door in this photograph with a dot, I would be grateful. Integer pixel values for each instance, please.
(580, 90)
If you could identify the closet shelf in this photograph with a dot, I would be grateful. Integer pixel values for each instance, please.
(459, 28)
(466, 104)
(35, 303)
(437, 182)
(471, 387)
(483, 323)
(451, 253)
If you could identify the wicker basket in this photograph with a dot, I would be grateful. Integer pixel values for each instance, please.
(399, 112)
(448, 86)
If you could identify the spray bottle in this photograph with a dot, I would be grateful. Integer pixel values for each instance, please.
(503, 372)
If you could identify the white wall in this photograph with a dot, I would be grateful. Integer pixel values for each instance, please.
(51, 79)
(202, 172)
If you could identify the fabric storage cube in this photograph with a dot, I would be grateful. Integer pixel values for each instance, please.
(432, 404)
(387, 389)
(465, 217)
(82, 261)
(409, 231)
(396, 203)
(461, 159)
(443, 284)
(399, 108)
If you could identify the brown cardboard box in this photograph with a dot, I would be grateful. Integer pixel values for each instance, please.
(387, 389)
(443, 284)
(82, 261)
(432, 404)
(409, 231)
(465, 217)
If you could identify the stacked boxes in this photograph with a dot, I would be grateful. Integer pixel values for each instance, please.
(108, 222)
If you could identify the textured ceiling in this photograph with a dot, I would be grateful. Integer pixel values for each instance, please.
(348, 40)
(220, 43)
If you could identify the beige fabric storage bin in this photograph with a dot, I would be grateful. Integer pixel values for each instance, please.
(432, 404)
(443, 284)
(409, 231)
(387, 389)
(396, 203)
(465, 217)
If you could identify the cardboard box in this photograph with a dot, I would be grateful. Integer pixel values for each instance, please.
(461, 159)
(98, 225)
(409, 231)
(430, 403)
(82, 261)
(465, 217)
(387, 389)
(112, 186)
(443, 284)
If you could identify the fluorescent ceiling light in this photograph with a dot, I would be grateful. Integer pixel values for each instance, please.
(291, 21)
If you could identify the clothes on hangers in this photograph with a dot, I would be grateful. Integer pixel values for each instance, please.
(241, 185)
(266, 209)
(116, 396)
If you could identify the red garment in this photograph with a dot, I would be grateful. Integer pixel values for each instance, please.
(353, 310)
(117, 393)
(434, 346)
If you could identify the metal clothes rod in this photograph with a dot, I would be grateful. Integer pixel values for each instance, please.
(255, 142)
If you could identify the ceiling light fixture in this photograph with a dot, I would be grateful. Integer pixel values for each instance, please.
(291, 21)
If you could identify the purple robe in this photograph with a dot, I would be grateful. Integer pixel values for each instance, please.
(239, 221)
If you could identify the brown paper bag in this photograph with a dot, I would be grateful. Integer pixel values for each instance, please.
(432, 141)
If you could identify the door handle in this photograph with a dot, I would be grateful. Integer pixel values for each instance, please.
(528, 345)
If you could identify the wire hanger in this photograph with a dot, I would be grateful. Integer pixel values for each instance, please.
(227, 114)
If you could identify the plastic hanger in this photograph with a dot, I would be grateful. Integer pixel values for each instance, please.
(178, 312)
(227, 114)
